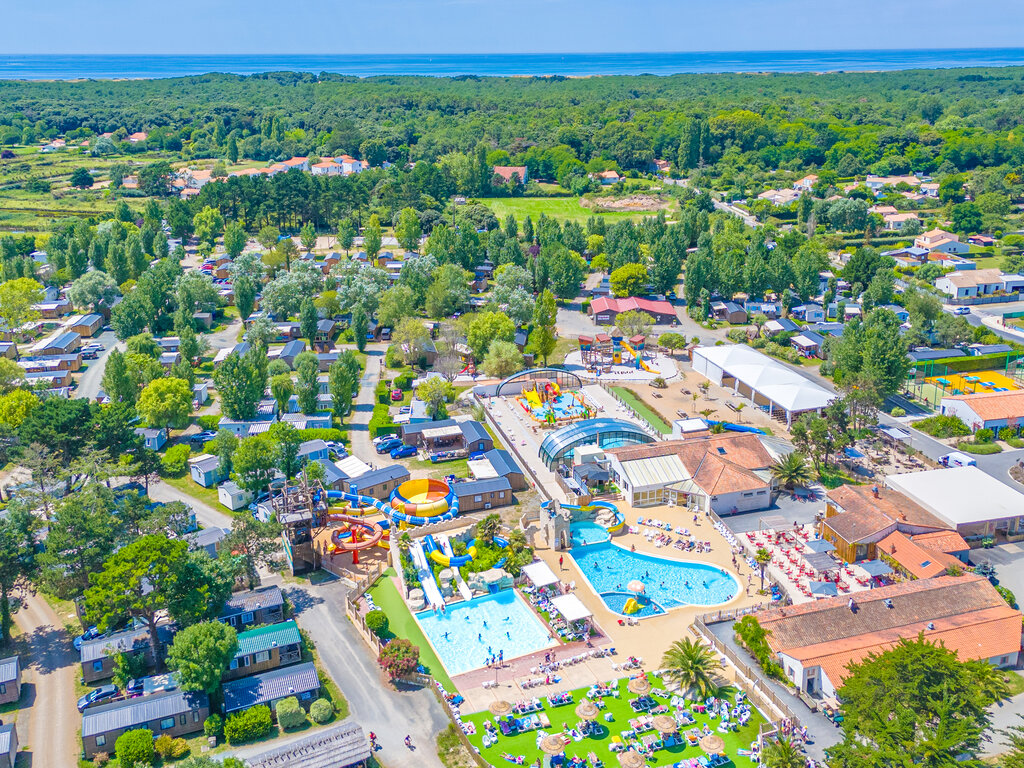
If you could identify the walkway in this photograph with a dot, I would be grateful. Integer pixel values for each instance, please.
(49, 722)
(361, 444)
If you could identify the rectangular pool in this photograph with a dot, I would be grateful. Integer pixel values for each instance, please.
(469, 632)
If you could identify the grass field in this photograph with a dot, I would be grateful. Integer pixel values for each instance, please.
(648, 414)
(561, 208)
(525, 744)
(401, 623)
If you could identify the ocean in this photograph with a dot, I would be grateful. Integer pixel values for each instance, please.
(69, 67)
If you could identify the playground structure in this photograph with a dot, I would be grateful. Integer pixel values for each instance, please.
(603, 351)
(545, 402)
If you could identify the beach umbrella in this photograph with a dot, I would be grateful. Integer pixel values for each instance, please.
(636, 586)
(500, 708)
(630, 759)
(664, 724)
(587, 710)
(712, 744)
(553, 744)
(639, 685)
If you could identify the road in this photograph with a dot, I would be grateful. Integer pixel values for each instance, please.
(91, 382)
(361, 444)
(48, 723)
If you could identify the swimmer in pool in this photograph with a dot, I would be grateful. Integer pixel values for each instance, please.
(445, 635)
(686, 584)
(479, 637)
(485, 624)
(508, 635)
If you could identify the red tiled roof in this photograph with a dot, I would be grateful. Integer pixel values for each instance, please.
(915, 558)
(605, 304)
(506, 171)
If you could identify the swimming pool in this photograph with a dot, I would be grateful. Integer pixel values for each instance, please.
(469, 632)
(669, 583)
(566, 406)
(587, 532)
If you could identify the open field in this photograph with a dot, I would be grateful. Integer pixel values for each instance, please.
(561, 208)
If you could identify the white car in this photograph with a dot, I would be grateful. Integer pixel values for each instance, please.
(962, 311)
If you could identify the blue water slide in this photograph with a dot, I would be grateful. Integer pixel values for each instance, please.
(728, 425)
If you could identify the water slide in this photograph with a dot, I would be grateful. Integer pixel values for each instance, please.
(393, 514)
(620, 519)
(460, 582)
(426, 576)
(639, 359)
(449, 559)
(736, 427)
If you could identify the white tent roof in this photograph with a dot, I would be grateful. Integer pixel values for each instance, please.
(571, 607)
(539, 574)
(960, 495)
(767, 376)
(353, 466)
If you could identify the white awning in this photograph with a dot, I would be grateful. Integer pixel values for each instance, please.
(539, 574)
(571, 607)
(435, 432)
(481, 469)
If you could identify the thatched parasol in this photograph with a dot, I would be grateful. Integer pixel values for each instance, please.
(630, 759)
(636, 586)
(712, 744)
(587, 710)
(639, 685)
(664, 724)
(553, 744)
(500, 708)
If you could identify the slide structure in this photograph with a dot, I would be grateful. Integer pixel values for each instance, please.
(639, 358)
(426, 576)
(460, 583)
(400, 510)
(620, 519)
(446, 558)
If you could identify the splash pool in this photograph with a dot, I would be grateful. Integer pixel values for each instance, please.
(567, 405)
(469, 632)
(588, 532)
(669, 583)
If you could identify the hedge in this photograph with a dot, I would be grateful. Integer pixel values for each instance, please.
(381, 423)
(404, 381)
(377, 622)
(325, 434)
(290, 714)
(972, 363)
(249, 725)
(382, 392)
(321, 711)
(175, 461)
(135, 747)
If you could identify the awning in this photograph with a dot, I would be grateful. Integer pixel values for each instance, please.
(820, 545)
(874, 567)
(823, 589)
(436, 432)
(571, 607)
(539, 574)
(773, 523)
(896, 434)
(820, 561)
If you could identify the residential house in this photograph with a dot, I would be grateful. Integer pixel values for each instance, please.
(59, 343)
(290, 351)
(206, 470)
(942, 241)
(298, 680)
(660, 166)
(769, 309)
(264, 605)
(608, 177)
(97, 656)
(377, 483)
(476, 495)
(811, 313)
(170, 713)
(448, 434)
(806, 184)
(503, 465)
(84, 325)
(895, 221)
(911, 256)
(808, 343)
(154, 439)
(137, 137)
(510, 172)
(200, 393)
(977, 350)
(971, 284)
(9, 349)
(604, 310)
(350, 165)
(264, 648)
(325, 330)
(929, 189)
(313, 450)
(781, 325)
(169, 359)
(245, 428)
(817, 642)
(296, 164)
(779, 197)
(877, 183)
(986, 410)
(10, 679)
(8, 745)
(327, 168)
(982, 241)
(319, 420)
(207, 540)
(901, 312)
(726, 473)
(233, 497)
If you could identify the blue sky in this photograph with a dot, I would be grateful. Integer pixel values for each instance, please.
(503, 26)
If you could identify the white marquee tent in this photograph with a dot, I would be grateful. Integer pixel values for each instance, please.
(761, 379)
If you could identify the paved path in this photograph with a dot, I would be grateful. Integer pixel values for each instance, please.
(208, 516)
(48, 724)
(90, 383)
(358, 431)
(1004, 716)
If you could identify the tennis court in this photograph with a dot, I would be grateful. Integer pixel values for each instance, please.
(974, 382)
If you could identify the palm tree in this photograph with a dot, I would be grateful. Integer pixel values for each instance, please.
(691, 665)
(792, 470)
(782, 754)
(695, 396)
(739, 412)
(488, 528)
(762, 558)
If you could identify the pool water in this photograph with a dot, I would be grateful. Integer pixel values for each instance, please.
(499, 622)
(565, 406)
(587, 532)
(670, 583)
(616, 601)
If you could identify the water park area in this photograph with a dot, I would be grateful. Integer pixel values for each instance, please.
(546, 403)
(613, 357)
(627, 721)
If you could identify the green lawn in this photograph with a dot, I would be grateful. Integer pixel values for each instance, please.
(561, 208)
(647, 413)
(401, 623)
(526, 743)
(190, 487)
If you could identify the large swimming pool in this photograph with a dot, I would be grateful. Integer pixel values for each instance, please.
(669, 583)
(469, 632)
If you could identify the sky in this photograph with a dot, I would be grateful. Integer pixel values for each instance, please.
(503, 26)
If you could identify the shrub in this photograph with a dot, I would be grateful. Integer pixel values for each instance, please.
(290, 714)
(381, 423)
(1007, 595)
(100, 759)
(382, 393)
(404, 381)
(175, 461)
(252, 724)
(321, 711)
(980, 449)
(162, 745)
(213, 726)
(399, 657)
(377, 622)
(393, 357)
(210, 421)
(897, 413)
(585, 306)
(943, 426)
(135, 747)
(984, 435)
(327, 435)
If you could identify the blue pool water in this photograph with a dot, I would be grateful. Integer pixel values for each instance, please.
(468, 639)
(670, 583)
(617, 602)
(587, 532)
(565, 406)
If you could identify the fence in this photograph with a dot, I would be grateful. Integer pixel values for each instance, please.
(510, 443)
(642, 421)
(759, 691)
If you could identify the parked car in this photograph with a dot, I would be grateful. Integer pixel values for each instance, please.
(388, 445)
(90, 354)
(405, 409)
(90, 634)
(962, 311)
(403, 451)
(197, 441)
(97, 695)
(396, 395)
